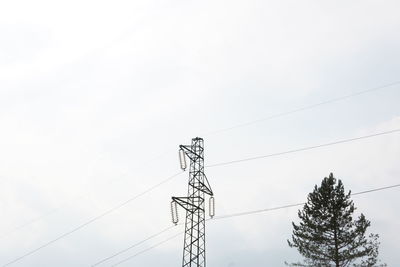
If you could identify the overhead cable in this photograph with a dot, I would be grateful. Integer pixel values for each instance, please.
(134, 245)
(329, 101)
(39, 218)
(91, 220)
(296, 204)
(285, 113)
(224, 163)
(303, 148)
(244, 213)
(173, 176)
(149, 248)
(60, 207)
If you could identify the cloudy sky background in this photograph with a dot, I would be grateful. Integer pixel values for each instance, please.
(96, 96)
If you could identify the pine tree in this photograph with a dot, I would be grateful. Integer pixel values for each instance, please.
(327, 235)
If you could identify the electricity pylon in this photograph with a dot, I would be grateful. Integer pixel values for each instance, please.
(194, 250)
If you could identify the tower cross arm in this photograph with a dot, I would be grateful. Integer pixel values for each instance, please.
(190, 204)
(203, 187)
(189, 152)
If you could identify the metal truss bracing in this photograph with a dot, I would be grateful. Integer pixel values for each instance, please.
(194, 251)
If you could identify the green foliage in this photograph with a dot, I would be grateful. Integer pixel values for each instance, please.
(327, 234)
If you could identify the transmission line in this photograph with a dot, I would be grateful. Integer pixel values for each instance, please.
(244, 213)
(376, 189)
(297, 204)
(303, 148)
(61, 206)
(173, 176)
(33, 220)
(329, 101)
(92, 220)
(149, 248)
(285, 113)
(40, 217)
(212, 165)
(134, 245)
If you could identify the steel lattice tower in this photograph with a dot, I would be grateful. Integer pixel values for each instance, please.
(194, 251)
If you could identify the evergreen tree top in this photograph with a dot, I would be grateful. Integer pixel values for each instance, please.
(327, 234)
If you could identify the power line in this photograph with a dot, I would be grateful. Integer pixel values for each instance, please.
(223, 163)
(92, 220)
(285, 113)
(134, 245)
(244, 213)
(63, 205)
(296, 204)
(337, 99)
(376, 189)
(303, 148)
(40, 217)
(36, 219)
(149, 248)
(173, 176)
(293, 151)
(257, 211)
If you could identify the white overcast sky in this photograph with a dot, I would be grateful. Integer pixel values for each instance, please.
(96, 96)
